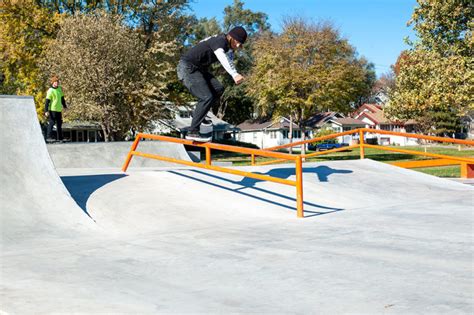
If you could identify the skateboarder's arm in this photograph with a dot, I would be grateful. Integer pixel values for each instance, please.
(226, 62)
(46, 105)
(63, 102)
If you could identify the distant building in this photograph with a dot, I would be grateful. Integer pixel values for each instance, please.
(337, 122)
(270, 133)
(81, 131)
(267, 133)
(373, 116)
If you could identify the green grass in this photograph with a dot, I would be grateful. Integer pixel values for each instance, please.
(374, 154)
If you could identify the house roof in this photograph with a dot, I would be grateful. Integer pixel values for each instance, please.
(84, 125)
(268, 124)
(349, 121)
(320, 119)
(373, 112)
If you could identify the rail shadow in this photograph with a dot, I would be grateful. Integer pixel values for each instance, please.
(321, 173)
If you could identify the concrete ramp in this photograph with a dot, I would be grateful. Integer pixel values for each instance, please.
(344, 187)
(376, 238)
(112, 154)
(34, 202)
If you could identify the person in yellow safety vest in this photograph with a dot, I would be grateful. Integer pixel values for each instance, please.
(53, 108)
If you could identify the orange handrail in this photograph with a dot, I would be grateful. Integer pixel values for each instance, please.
(334, 135)
(298, 183)
(467, 164)
(418, 136)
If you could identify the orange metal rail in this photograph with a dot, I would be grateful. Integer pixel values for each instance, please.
(467, 164)
(298, 183)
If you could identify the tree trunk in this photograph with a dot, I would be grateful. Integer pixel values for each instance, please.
(303, 137)
(302, 130)
(290, 135)
(222, 106)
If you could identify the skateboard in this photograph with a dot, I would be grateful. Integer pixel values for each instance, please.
(206, 131)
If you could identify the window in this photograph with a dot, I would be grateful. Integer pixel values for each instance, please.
(92, 137)
(273, 134)
(296, 134)
(80, 136)
(285, 134)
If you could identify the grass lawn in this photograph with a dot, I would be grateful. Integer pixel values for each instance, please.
(374, 154)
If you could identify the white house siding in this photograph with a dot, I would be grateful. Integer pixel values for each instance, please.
(396, 140)
(264, 140)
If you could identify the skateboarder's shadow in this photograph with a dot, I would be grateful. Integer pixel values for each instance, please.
(321, 173)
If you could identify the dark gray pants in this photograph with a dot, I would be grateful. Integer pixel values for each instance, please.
(202, 85)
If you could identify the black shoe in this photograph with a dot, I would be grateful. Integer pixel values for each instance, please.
(196, 136)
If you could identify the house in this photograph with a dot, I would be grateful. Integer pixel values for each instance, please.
(381, 97)
(337, 122)
(267, 133)
(373, 116)
(345, 124)
(181, 119)
(319, 120)
(81, 131)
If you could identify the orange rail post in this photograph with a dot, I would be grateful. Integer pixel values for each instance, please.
(467, 170)
(361, 144)
(208, 156)
(130, 153)
(252, 159)
(299, 187)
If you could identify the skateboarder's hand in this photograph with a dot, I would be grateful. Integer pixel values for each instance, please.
(238, 79)
(46, 114)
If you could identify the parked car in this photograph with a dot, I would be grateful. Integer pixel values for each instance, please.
(326, 146)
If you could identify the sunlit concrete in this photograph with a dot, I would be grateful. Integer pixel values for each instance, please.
(375, 239)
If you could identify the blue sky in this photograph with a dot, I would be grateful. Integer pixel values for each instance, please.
(376, 28)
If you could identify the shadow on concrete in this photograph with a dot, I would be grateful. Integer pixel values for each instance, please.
(82, 187)
(322, 173)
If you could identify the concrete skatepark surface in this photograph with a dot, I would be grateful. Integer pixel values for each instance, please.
(375, 239)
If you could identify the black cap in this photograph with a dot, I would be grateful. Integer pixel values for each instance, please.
(239, 34)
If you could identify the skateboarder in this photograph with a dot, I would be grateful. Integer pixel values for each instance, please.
(193, 72)
(53, 108)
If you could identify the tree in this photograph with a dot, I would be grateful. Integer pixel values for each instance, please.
(26, 30)
(306, 69)
(444, 26)
(204, 28)
(236, 106)
(108, 74)
(383, 85)
(436, 75)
